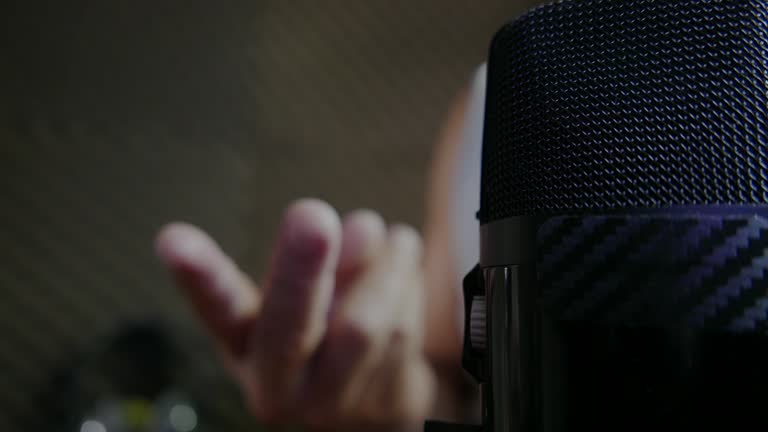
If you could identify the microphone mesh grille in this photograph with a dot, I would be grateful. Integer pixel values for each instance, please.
(611, 104)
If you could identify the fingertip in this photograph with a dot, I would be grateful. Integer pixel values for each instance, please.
(365, 219)
(168, 238)
(406, 237)
(314, 213)
(180, 242)
(311, 226)
(363, 233)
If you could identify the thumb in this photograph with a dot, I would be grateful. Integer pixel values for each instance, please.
(224, 297)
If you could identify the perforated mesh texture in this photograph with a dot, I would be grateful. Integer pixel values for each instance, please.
(612, 104)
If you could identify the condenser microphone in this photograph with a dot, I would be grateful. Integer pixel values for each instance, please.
(622, 281)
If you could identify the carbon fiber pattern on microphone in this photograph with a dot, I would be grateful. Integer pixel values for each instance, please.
(611, 104)
(657, 271)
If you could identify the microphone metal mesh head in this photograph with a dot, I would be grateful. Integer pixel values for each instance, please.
(611, 105)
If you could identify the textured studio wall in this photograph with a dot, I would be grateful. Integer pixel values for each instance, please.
(118, 116)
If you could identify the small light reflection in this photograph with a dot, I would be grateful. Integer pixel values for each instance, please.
(92, 426)
(183, 418)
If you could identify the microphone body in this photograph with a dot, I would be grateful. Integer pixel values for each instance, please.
(622, 281)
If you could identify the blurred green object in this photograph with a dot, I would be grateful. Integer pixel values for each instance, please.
(129, 383)
(169, 413)
(139, 365)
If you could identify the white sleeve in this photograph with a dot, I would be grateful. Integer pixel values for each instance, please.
(466, 188)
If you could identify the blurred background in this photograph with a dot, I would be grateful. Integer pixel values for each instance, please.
(119, 116)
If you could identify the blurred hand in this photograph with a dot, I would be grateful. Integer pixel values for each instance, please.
(333, 337)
